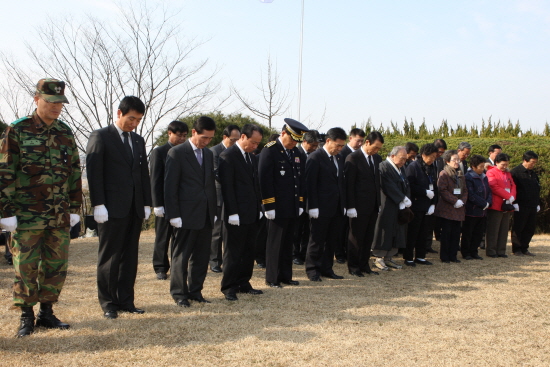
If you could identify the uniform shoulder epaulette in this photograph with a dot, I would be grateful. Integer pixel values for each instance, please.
(65, 125)
(20, 120)
(270, 144)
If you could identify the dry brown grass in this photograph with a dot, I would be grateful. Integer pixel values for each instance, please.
(485, 313)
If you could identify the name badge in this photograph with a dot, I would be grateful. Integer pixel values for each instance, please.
(431, 187)
(507, 189)
(457, 191)
(31, 143)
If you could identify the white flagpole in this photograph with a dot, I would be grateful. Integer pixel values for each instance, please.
(300, 63)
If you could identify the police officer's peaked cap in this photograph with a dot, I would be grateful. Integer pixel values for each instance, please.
(296, 129)
(51, 90)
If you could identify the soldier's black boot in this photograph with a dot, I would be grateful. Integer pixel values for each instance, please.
(47, 319)
(26, 327)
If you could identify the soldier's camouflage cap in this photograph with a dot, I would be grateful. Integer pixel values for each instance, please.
(51, 90)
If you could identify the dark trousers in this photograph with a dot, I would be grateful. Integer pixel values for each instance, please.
(450, 239)
(217, 240)
(117, 261)
(361, 235)
(341, 246)
(238, 257)
(523, 228)
(261, 241)
(164, 234)
(278, 266)
(498, 225)
(417, 231)
(436, 229)
(324, 233)
(473, 230)
(190, 253)
(301, 237)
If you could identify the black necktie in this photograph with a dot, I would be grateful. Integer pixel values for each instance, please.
(127, 145)
(333, 166)
(371, 163)
(247, 158)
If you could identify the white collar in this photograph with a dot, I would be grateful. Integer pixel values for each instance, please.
(241, 149)
(192, 145)
(394, 166)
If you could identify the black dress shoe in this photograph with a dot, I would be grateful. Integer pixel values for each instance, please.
(409, 263)
(183, 303)
(231, 297)
(341, 260)
(445, 261)
(316, 278)
(162, 275)
(132, 310)
(431, 251)
(422, 262)
(477, 257)
(332, 276)
(261, 265)
(199, 299)
(273, 285)
(290, 282)
(298, 261)
(502, 255)
(468, 257)
(455, 261)
(369, 271)
(252, 291)
(216, 269)
(357, 273)
(110, 314)
(493, 256)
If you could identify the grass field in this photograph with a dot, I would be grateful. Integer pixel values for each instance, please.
(481, 313)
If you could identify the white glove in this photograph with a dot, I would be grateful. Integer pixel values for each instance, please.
(407, 202)
(516, 207)
(233, 219)
(176, 222)
(314, 213)
(459, 204)
(300, 211)
(75, 218)
(401, 205)
(215, 218)
(159, 211)
(270, 214)
(512, 199)
(9, 224)
(379, 209)
(486, 206)
(100, 213)
(431, 210)
(538, 208)
(352, 213)
(147, 210)
(261, 215)
(345, 211)
(430, 194)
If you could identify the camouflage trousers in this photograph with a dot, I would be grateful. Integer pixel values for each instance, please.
(40, 259)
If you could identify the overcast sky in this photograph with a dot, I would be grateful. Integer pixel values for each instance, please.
(457, 60)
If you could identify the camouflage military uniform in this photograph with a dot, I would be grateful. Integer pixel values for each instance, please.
(39, 184)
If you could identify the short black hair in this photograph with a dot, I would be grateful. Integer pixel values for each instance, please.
(273, 137)
(528, 155)
(428, 149)
(177, 126)
(374, 136)
(440, 143)
(357, 132)
(476, 160)
(448, 154)
(204, 123)
(411, 147)
(129, 103)
(312, 136)
(229, 129)
(249, 129)
(493, 147)
(336, 133)
(502, 157)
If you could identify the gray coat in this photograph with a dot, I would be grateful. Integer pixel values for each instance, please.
(389, 233)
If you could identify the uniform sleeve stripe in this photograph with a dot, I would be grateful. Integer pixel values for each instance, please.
(268, 201)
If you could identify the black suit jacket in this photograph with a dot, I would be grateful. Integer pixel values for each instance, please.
(157, 162)
(419, 182)
(113, 179)
(345, 152)
(363, 188)
(189, 189)
(240, 185)
(326, 190)
(217, 150)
